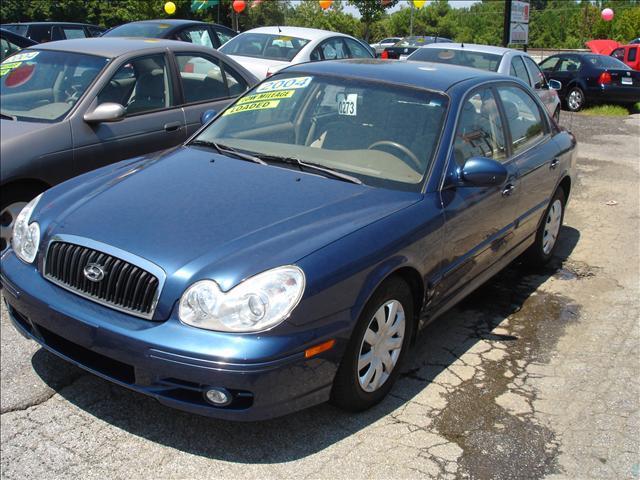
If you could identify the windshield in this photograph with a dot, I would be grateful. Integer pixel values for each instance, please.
(40, 85)
(465, 58)
(602, 61)
(145, 29)
(262, 45)
(383, 136)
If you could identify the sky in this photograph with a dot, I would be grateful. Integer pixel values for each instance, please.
(453, 3)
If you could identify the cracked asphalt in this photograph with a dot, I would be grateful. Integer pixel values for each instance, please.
(536, 375)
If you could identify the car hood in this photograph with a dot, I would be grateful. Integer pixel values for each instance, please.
(260, 66)
(197, 214)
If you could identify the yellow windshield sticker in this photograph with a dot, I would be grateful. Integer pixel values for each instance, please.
(21, 57)
(260, 97)
(284, 39)
(285, 84)
(7, 67)
(247, 107)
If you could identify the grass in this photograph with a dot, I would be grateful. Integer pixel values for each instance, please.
(611, 110)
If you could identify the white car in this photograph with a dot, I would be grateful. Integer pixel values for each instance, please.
(506, 61)
(384, 43)
(265, 50)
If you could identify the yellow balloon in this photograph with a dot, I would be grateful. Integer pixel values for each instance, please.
(419, 3)
(170, 8)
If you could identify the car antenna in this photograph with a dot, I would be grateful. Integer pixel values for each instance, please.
(279, 31)
(462, 45)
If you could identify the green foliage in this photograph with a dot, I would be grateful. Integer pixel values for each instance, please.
(370, 12)
(309, 14)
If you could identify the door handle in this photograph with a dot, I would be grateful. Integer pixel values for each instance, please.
(172, 127)
(508, 190)
(554, 163)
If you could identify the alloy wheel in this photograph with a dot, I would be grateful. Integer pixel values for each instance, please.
(575, 100)
(552, 226)
(381, 346)
(8, 217)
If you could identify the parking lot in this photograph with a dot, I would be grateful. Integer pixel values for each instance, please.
(534, 376)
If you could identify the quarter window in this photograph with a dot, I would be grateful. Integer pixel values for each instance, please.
(140, 85)
(569, 65)
(205, 78)
(223, 36)
(523, 117)
(356, 49)
(519, 70)
(480, 132)
(333, 49)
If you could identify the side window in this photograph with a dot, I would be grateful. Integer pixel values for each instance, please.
(539, 81)
(618, 53)
(235, 83)
(549, 64)
(40, 33)
(201, 77)
(73, 32)
(569, 64)
(356, 49)
(633, 52)
(519, 70)
(141, 85)
(523, 117)
(197, 36)
(333, 49)
(94, 31)
(480, 132)
(223, 36)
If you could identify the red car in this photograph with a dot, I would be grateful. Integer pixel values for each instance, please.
(628, 54)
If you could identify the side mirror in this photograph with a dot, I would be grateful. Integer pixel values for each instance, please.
(207, 115)
(105, 112)
(555, 85)
(483, 172)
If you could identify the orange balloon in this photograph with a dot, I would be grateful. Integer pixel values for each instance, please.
(239, 6)
(324, 4)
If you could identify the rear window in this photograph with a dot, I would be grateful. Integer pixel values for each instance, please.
(150, 29)
(262, 45)
(633, 52)
(602, 61)
(465, 58)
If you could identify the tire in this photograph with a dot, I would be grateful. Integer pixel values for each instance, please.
(556, 116)
(548, 232)
(357, 389)
(575, 99)
(13, 199)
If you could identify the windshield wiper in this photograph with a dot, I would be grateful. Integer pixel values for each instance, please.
(8, 117)
(226, 150)
(312, 166)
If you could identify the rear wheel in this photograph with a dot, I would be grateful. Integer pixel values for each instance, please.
(575, 99)
(377, 347)
(548, 232)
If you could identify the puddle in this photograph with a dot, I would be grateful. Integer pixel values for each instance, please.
(573, 270)
(491, 415)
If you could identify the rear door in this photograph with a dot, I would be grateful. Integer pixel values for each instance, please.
(206, 83)
(145, 87)
(480, 221)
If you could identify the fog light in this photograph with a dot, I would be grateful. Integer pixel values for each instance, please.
(218, 396)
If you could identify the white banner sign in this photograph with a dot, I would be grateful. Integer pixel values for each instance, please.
(519, 11)
(519, 33)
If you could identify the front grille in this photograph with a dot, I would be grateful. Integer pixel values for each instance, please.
(124, 286)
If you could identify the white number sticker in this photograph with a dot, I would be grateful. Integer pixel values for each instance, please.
(349, 105)
(21, 57)
(285, 84)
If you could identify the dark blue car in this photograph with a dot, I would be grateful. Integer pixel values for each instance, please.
(283, 256)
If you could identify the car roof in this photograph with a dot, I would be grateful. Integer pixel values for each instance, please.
(53, 23)
(112, 47)
(432, 76)
(299, 32)
(174, 22)
(474, 48)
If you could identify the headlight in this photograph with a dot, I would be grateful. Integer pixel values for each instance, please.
(258, 303)
(26, 236)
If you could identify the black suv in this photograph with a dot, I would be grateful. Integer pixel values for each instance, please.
(49, 31)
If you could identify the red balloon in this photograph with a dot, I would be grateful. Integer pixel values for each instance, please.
(239, 6)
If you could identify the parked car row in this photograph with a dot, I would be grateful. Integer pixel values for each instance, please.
(284, 254)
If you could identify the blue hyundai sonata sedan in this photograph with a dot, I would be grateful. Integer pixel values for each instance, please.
(283, 256)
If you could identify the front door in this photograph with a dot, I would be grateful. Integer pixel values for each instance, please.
(479, 221)
(144, 87)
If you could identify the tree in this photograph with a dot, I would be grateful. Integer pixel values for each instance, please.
(371, 11)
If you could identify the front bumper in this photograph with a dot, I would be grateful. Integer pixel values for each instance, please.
(172, 362)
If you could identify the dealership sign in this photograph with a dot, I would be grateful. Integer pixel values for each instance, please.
(519, 31)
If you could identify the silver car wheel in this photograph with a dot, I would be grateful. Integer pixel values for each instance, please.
(7, 220)
(552, 227)
(381, 346)
(575, 100)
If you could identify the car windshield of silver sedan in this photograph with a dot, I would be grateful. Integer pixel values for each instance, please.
(38, 85)
(380, 135)
(262, 45)
(465, 58)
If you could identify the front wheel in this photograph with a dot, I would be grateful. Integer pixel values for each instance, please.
(377, 347)
(548, 232)
(575, 99)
